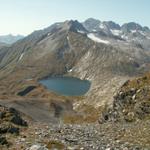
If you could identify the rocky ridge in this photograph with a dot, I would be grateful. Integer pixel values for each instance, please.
(131, 102)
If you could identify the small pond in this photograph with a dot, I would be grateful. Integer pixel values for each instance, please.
(68, 86)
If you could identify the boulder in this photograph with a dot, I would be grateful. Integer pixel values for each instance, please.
(16, 119)
(37, 147)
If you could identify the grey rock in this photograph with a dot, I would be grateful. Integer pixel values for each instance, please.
(37, 147)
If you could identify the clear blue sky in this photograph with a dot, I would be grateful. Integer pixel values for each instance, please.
(25, 16)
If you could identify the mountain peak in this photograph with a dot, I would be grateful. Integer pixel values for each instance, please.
(75, 26)
(91, 24)
(131, 26)
(93, 20)
(112, 25)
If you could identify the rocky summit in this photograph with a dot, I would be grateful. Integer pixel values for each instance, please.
(113, 114)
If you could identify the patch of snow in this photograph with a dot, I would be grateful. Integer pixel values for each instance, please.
(48, 34)
(89, 78)
(68, 38)
(116, 32)
(130, 59)
(102, 26)
(21, 56)
(142, 33)
(94, 30)
(70, 70)
(133, 31)
(80, 31)
(148, 37)
(87, 55)
(96, 39)
(124, 37)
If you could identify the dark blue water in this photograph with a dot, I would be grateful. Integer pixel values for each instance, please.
(68, 86)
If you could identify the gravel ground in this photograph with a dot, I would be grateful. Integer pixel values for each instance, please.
(107, 136)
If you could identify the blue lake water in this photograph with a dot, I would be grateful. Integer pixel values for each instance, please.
(68, 86)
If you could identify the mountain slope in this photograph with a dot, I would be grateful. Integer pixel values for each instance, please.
(50, 44)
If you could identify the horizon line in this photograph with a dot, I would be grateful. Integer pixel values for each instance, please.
(46, 26)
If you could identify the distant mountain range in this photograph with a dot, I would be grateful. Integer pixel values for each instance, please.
(105, 53)
(10, 39)
(128, 33)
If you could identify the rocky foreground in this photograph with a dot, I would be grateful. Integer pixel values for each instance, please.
(83, 137)
(44, 136)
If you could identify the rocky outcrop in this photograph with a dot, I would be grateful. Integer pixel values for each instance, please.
(10, 122)
(11, 115)
(131, 103)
